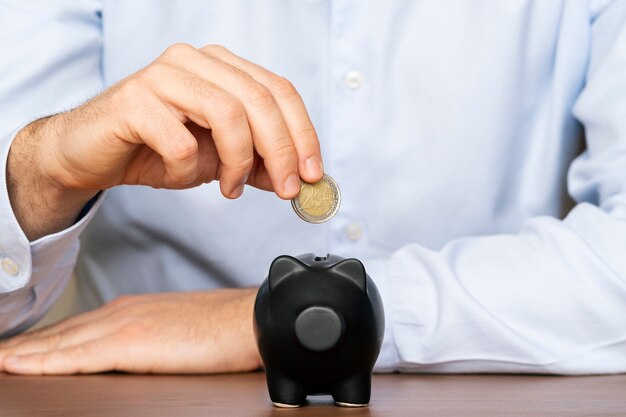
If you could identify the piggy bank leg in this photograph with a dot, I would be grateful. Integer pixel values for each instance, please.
(284, 392)
(354, 391)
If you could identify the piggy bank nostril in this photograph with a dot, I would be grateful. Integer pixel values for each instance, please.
(318, 328)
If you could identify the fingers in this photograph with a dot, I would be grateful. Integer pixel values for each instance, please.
(259, 177)
(53, 329)
(269, 131)
(156, 126)
(292, 108)
(208, 158)
(73, 331)
(141, 135)
(179, 150)
(46, 351)
(138, 134)
(93, 356)
(168, 332)
(213, 108)
(59, 340)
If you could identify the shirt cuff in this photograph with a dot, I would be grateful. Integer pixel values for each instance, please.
(380, 272)
(16, 252)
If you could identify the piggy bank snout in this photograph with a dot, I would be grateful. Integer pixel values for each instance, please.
(318, 328)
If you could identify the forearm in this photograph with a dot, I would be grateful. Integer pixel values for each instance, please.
(551, 299)
(41, 205)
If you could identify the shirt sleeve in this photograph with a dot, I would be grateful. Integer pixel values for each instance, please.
(51, 63)
(551, 299)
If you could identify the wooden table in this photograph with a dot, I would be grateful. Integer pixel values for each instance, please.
(245, 395)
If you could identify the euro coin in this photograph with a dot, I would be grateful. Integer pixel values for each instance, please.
(317, 203)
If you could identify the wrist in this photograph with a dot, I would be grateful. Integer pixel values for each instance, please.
(42, 204)
(254, 356)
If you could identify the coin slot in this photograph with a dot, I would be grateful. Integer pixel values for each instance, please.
(320, 258)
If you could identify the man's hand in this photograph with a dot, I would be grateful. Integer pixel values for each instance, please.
(201, 332)
(190, 117)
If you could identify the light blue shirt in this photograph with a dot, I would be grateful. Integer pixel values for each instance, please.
(455, 129)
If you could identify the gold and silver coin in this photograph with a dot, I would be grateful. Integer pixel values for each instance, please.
(317, 202)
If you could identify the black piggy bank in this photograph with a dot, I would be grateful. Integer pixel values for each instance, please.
(319, 324)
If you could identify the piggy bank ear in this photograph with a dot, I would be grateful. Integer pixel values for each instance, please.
(353, 270)
(283, 267)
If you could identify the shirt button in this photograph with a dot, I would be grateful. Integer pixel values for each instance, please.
(353, 80)
(354, 232)
(9, 266)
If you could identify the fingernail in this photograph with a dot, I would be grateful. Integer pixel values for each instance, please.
(237, 192)
(292, 185)
(315, 167)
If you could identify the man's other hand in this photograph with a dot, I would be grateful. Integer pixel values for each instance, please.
(199, 332)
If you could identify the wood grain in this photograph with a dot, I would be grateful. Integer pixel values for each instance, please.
(245, 395)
